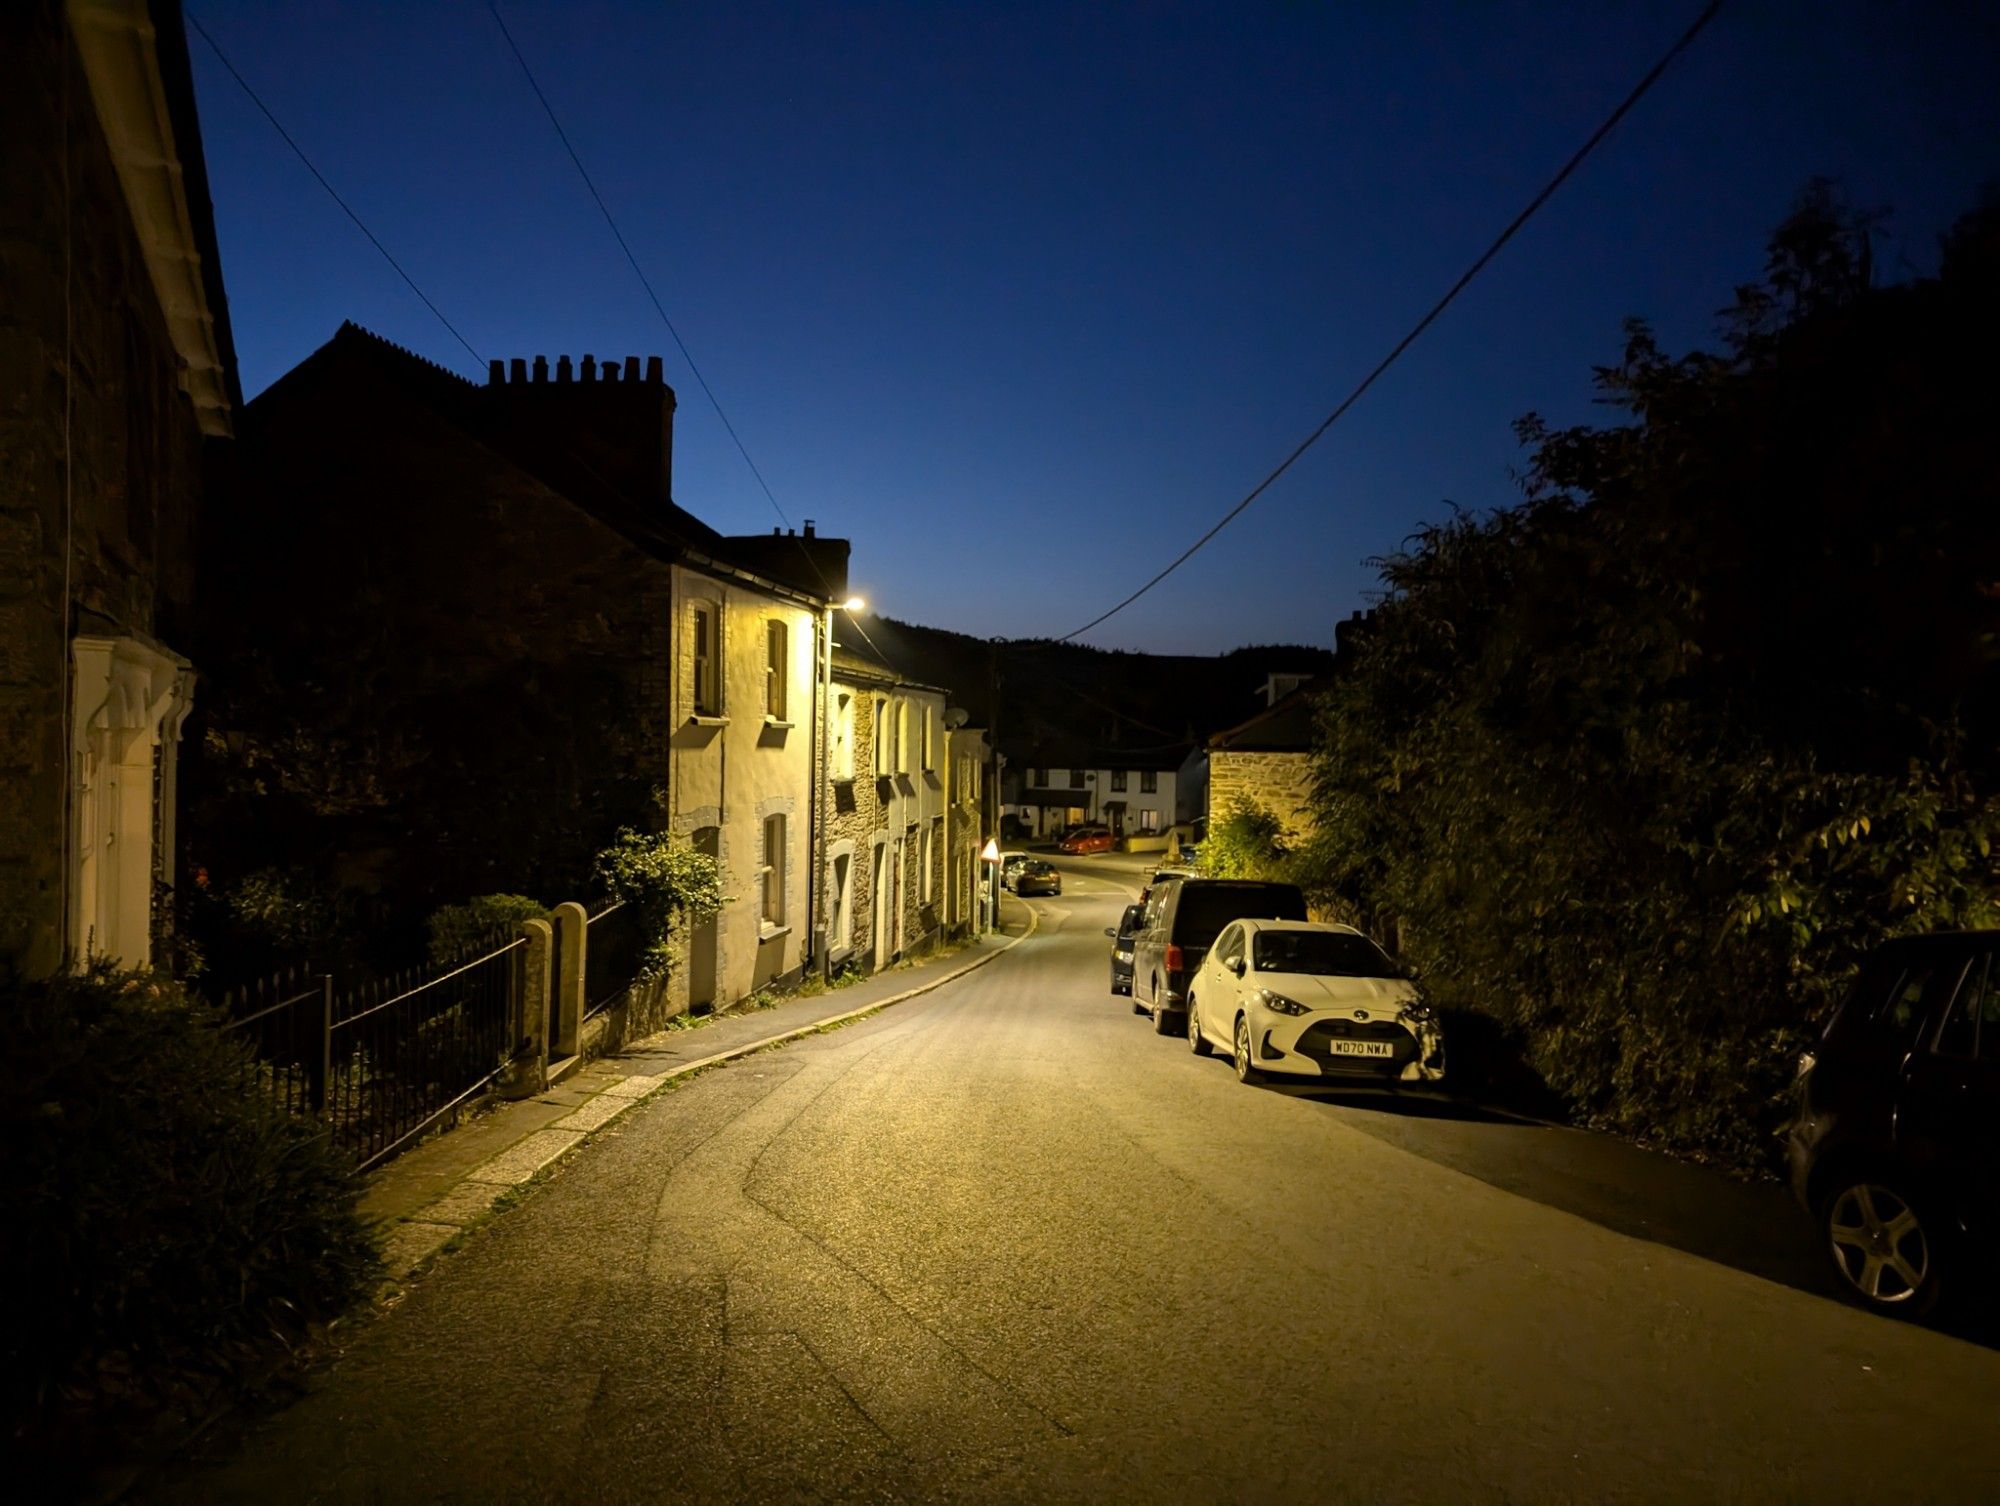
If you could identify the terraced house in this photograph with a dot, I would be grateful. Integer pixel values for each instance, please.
(487, 637)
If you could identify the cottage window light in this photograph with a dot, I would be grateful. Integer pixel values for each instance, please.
(1149, 782)
(707, 659)
(777, 663)
(774, 871)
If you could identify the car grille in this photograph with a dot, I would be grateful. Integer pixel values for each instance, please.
(1316, 1043)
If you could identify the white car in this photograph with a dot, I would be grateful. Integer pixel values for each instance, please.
(1303, 999)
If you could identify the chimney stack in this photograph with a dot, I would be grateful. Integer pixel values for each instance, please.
(562, 369)
(590, 368)
(541, 369)
(656, 371)
(496, 373)
(631, 368)
(519, 370)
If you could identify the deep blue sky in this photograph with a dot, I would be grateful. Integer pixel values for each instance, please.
(1020, 298)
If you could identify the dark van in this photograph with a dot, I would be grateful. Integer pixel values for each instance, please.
(1895, 1149)
(1183, 918)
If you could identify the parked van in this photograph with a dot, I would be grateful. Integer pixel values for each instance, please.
(1183, 918)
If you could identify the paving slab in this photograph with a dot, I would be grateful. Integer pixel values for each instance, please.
(595, 1114)
(518, 1164)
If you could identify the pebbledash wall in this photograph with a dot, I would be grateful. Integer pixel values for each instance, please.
(106, 405)
(1279, 781)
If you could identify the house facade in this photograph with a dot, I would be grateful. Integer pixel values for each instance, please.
(1267, 761)
(1132, 791)
(887, 856)
(488, 639)
(120, 382)
(968, 824)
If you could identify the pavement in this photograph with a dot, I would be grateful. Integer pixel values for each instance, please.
(432, 1194)
(1003, 1243)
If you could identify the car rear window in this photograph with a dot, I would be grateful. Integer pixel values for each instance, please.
(1206, 908)
(1324, 954)
(1130, 922)
(1897, 993)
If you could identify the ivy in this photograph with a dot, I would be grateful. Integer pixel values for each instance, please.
(667, 881)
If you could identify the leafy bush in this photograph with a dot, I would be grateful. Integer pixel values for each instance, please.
(457, 929)
(1246, 843)
(1642, 767)
(164, 1225)
(667, 880)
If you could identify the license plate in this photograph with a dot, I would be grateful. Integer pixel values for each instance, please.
(1361, 1048)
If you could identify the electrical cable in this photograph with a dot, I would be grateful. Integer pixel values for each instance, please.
(1548, 191)
(660, 309)
(345, 207)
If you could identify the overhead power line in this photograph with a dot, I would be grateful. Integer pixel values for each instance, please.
(1548, 191)
(659, 308)
(332, 193)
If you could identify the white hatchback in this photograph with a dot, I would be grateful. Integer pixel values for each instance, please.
(1310, 1000)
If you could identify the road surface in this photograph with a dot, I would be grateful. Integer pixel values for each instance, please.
(1003, 1243)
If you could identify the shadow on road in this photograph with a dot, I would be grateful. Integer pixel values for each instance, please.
(1753, 1226)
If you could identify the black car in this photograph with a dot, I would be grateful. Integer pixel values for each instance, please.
(1121, 948)
(1895, 1148)
(1183, 918)
(1037, 876)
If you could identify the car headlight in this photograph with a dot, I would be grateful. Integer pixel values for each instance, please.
(1417, 1012)
(1279, 1003)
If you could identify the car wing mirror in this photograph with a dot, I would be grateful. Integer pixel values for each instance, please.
(1235, 965)
(1112, 932)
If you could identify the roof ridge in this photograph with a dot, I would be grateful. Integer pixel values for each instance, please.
(349, 327)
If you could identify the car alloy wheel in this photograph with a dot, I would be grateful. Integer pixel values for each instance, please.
(1245, 1071)
(1881, 1248)
(1197, 1042)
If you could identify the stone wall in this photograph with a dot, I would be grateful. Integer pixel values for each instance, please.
(1279, 782)
(97, 443)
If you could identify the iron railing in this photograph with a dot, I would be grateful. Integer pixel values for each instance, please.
(390, 1059)
(610, 956)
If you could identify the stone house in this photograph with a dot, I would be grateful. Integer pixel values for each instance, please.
(487, 638)
(117, 383)
(1267, 760)
(886, 802)
(969, 823)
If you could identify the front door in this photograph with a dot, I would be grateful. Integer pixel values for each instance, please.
(878, 902)
(705, 941)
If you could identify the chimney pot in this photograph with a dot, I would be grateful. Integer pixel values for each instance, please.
(541, 369)
(656, 370)
(562, 369)
(519, 369)
(590, 368)
(610, 371)
(496, 373)
(631, 368)
(809, 528)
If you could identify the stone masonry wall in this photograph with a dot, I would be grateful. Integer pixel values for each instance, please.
(1279, 782)
(91, 420)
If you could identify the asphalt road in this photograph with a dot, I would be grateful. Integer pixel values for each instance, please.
(1004, 1243)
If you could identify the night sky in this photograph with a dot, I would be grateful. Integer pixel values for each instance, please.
(1020, 298)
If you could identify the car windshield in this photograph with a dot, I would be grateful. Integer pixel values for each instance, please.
(1325, 954)
(1206, 908)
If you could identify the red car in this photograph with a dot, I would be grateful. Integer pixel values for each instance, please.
(1087, 839)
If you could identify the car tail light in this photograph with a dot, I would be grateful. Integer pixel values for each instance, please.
(1175, 961)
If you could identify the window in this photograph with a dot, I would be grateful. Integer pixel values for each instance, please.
(1229, 947)
(930, 755)
(777, 661)
(1149, 820)
(881, 739)
(842, 754)
(1973, 1030)
(1076, 779)
(934, 872)
(1036, 776)
(925, 872)
(841, 923)
(707, 659)
(902, 737)
(1118, 781)
(1149, 782)
(774, 870)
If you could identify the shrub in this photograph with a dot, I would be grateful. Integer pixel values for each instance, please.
(1247, 843)
(666, 880)
(166, 1227)
(458, 929)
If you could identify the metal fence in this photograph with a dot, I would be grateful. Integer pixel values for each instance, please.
(610, 956)
(386, 1061)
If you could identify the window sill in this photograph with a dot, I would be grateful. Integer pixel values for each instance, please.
(701, 720)
(777, 721)
(768, 932)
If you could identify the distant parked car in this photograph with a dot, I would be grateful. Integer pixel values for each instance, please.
(1310, 1000)
(1895, 1148)
(1121, 947)
(1037, 876)
(1010, 864)
(1087, 839)
(1183, 917)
